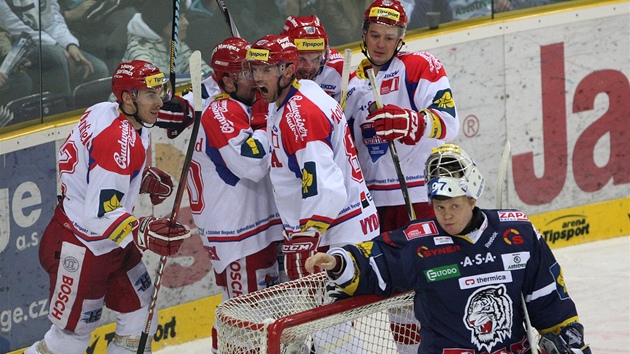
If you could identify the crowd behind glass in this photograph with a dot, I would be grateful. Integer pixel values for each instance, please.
(59, 59)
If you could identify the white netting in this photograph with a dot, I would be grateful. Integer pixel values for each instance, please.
(292, 317)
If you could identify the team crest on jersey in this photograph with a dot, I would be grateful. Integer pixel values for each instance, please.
(309, 180)
(511, 215)
(420, 229)
(489, 316)
(109, 199)
(443, 101)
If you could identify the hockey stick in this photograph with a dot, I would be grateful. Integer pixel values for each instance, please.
(195, 76)
(345, 77)
(228, 18)
(392, 150)
(502, 174)
(174, 43)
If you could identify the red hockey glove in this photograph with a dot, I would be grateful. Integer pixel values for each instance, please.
(175, 116)
(260, 108)
(570, 341)
(392, 122)
(297, 247)
(159, 236)
(157, 183)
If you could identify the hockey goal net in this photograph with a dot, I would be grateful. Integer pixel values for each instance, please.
(297, 317)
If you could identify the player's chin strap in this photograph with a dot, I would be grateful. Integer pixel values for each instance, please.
(363, 47)
(282, 88)
(135, 115)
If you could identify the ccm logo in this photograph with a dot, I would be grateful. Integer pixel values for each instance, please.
(298, 247)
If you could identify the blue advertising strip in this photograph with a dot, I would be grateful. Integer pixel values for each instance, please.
(27, 197)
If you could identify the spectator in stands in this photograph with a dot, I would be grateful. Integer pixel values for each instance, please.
(465, 306)
(342, 19)
(418, 17)
(109, 17)
(16, 83)
(205, 20)
(63, 63)
(150, 34)
(523, 4)
(465, 9)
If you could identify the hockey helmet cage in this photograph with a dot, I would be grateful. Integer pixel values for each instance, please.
(307, 33)
(139, 75)
(450, 172)
(272, 50)
(386, 12)
(228, 56)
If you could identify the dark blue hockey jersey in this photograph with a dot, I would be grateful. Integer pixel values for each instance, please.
(468, 287)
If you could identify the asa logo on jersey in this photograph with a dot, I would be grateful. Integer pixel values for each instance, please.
(421, 229)
(512, 216)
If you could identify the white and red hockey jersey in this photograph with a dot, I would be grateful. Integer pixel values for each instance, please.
(228, 185)
(329, 75)
(315, 170)
(414, 81)
(100, 167)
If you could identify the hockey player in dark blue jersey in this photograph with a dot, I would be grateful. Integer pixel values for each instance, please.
(468, 267)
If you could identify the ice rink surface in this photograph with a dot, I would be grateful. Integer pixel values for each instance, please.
(597, 275)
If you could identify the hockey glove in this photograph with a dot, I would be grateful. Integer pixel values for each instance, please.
(259, 114)
(297, 247)
(334, 292)
(157, 183)
(175, 116)
(392, 122)
(570, 341)
(159, 236)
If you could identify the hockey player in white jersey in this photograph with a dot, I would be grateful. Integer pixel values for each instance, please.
(91, 247)
(230, 192)
(318, 183)
(317, 61)
(471, 269)
(418, 114)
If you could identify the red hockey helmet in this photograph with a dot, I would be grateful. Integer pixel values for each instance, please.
(306, 32)
(139, 75)
(385, 12)
(272, 50)
(228, 56)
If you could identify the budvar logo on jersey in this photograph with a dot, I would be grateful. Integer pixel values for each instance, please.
(127, 139)
(512, 216)
(420, 229)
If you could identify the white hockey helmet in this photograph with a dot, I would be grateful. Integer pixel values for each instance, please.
(449, 172)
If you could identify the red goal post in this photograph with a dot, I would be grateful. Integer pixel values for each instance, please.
(293, 316)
